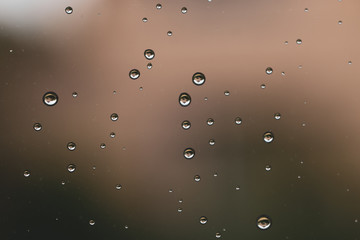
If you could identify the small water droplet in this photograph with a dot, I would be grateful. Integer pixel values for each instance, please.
(169, 33)
(269, 70)
(63, 183)
(212, 142)
(149, 54)
(71, 167)
(218, 235)
(349, 62)
(112, 134)
(210, 122)
(180, 200)
(237, 188)
(299, 41)
(198, 78)
(205, 98)
(170, 190)
(103, 145)
(134, 74)
(71, 146)
(118, 186)
(277, 116)
(50, 98)
(69, 10)
(227, 93)
(238, 121)
(189, 153)
(179, 210)
(306, 9)
(37, 127)
(215, 174)
(26, 173)
(126, 227)
(149, 66)
(262, 86)
(286, 42)
(268, 168)
(300, 66)
(263, 222)
(184, 10)
(92, 222)
(340, 22)
(74, 94)
(283, 73)
(184, 99)
(158, 6)
(268, 137)
(203, 220)
(114, 117)
(186, 124)
(356, 220)
(197, 178)
(144, 19)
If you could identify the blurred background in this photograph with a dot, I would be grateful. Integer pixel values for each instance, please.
(306, 180)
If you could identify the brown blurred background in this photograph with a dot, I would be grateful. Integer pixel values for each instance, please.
(312, 189)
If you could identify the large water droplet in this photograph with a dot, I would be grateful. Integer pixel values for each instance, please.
(238, 121)
(218, 235)
(203, 220)
(184, 10)
(267, 167)
(71, 168)
(37, 126)
(198, 78)
(50, 98)
(210, 122)
(169, 33)
(26, 173)
(184, 99)
(227, 93)
(299, 41)
(71, 146)
(263, 222)
(118, 186)
(149, 54)
(277, 116)
(134, 74)
(189, 153)
(112, 134)
(197, 178)
(92, 222)
(114, 117)
(179, 210)
(158, 6)
(68, 10)
(262, 86)
(268, 137)
(186, 124)
(212, 142)
(103, 145)
(144, 19)
(269, 70)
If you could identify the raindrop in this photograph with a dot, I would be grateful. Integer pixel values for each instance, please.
(118, 186)
(68, 10)
(269, 70)
(306, 9)
(349, 62)
(71, 167)
(50, 98)
(149, 54)
(210, 122)
(103, 145)
(26, 173)
(114, 117)
(140, 88)
(170, 190)
(215, 174)
(126, 227)
(267, 167)
(227, 93)
(203, 220)
(277, 116)
(197, 178)
(63, 183)
(262, 86)
(263, 222)
(198, 78)
(268, 137)
(186, 124)
(112, 134)
(180, 200)
(37, 127)
(184, 10)
(184, 99)
(189, 153)
(237, 188)
(238, 121)
(158, 6)
(286, 42)
(149, 66)
(92, 222)
(299, 41)
(144, 19)
(169, 33)
(134, 74)
(212, 142)
(71, 146)
(340, 22)
(283, 73)
(179, 210)
(218, 235)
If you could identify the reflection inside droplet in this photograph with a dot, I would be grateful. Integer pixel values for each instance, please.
(263, 222)
(203, 220)
(189, 153)
(268, 137)
(184, 99)
(134, 74)
(50, 98)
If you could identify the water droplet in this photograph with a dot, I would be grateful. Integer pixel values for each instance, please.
(180, 200)
(227, 93)
(126, 227)
(237, 188)
(186, 124)
(134, 74)
(205, 98)
(269, 70)
(238, 121)
(184, 99)
(92, 222)
(215, 174)
(349, 62)
(169, 33)
(300, 66)
(118, 186)
(189, 153)
(263, 222)
(112, 134)
(74, 94)
(299, 41)
(277, 116)
(149, 54)
(114, 117)
(268, 137)
(198, 78)
(50, 98)
(144, 19)
(103, 145)
(340, 22)
(356, 220)
(286, 42)
(179, 210)
(267, 167)
(203, 220)
(212, 142)
(158, 6)
(149, 66)
(218, 235)
(170, 190)
(306, 9)
(63, 183)
(197, 178)
(184, 10)
(262, 86)
(71, 146)
(37, 126)
(210, 122)
(71, 168)
(26, 173)
(283, 73)
(68, 10)
(114, 92)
